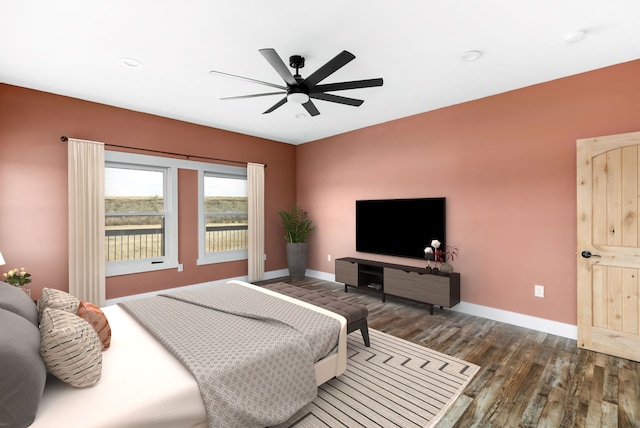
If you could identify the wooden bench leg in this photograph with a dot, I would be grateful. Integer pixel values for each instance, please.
(365, 334)
(364, 329)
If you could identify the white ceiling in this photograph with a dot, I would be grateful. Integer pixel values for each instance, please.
(74, 48)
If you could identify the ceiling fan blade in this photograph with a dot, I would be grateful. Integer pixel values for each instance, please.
(355, 84)
(337, 99)
(311, 108)
(276, 105)
(339, 61)
(276, 62)
(260, 82)
(241, 97)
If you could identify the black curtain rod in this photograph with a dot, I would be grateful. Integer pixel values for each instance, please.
(65, 139)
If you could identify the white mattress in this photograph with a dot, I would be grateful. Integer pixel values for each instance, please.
(144, 385)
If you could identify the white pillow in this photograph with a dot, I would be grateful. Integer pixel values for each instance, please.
(70, 348)
(57, 299)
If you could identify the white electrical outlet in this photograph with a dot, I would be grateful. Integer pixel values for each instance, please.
(265, 256)
(329, 258)
(538, 290)
(180, 267)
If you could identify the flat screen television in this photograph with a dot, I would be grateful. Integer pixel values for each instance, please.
(400, 227)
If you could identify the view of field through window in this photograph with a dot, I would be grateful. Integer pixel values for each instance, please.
(136, 217)
(225, 211)
(135, 226)
(226, 223)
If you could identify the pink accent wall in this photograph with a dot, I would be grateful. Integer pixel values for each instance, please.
(33, 184)
(506, 165)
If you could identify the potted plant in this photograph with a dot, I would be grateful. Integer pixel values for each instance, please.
(297, 227)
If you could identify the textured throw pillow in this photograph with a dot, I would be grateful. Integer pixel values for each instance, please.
(17, 301)
(57, 299)
(98, 320)
(22, 372)
(70, 348)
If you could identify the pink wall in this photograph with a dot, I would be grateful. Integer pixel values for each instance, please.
(33, 184)
(506, 165)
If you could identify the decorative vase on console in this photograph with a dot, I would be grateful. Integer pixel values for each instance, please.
(446, 268)
(449, 253)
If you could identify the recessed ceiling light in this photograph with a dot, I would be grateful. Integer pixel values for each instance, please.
(470, 56)
(575, 37)
(300, 116)
(131, 62)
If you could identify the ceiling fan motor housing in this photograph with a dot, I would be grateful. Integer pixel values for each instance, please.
(296, 61)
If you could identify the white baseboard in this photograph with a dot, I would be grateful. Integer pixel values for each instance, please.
(534, 323)
(276, 274)
(321, 275)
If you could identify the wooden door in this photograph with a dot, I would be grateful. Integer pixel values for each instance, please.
(608, 253)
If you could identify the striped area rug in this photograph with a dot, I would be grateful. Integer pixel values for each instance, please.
(394, 383)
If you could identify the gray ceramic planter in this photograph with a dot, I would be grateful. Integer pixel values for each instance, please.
(297, 259)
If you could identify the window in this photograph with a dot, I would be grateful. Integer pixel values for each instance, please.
(223, 215)
(140, 214)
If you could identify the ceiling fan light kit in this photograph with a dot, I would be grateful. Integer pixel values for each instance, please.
(301, 90)
(297, 97)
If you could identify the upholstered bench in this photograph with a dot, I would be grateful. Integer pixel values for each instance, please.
(355, 314)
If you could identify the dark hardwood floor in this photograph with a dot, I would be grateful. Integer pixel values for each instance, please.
(527, 378)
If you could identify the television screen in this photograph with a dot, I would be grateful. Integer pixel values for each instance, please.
(400, 227)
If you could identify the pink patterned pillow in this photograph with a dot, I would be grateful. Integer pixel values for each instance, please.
(98, 320)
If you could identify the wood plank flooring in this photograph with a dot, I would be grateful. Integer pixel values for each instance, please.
(527, 378)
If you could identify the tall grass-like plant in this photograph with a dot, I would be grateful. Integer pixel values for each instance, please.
(297, 225)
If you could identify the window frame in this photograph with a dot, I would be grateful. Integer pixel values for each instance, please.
(204, 258)
(170, 199)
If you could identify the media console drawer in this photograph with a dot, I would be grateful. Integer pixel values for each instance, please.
(439, 290)
(398, 283)
(347, 272)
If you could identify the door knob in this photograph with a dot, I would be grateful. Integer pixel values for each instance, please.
(587, 254)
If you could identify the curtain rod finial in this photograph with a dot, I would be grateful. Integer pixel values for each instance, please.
(63, 138)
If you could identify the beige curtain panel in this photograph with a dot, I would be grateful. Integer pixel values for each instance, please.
(255, 179)
(86, 220)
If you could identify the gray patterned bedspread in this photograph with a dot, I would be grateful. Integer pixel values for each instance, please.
(251, 353)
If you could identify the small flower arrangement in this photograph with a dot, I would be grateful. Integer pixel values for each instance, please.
(17, 277)
(433, 251)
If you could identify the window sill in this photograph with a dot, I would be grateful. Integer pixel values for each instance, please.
(138, 268)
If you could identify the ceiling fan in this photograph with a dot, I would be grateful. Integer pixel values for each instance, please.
(301, 90)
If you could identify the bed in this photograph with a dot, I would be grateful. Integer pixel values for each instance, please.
(144, 385)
